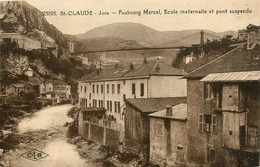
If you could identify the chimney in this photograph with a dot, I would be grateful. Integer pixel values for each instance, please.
(168, 110)
(157, 68)
(145, 61)
(131, 66)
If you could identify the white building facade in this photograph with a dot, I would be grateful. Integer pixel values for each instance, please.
(109, 87)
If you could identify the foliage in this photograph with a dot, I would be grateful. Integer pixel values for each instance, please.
(209, 48)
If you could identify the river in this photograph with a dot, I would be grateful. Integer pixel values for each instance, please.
(45, 131)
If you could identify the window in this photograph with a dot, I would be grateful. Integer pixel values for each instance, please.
(118, 88)
(124, 97)
(141, 89)
(107, 88)
(94, 103)
(118, 103)
(200, 123)
(80, 102)
(115, 106)
(113, 88)
(159, 129)
(102, 104)
(102, 87)
(208, 122)
(85, 89)
(97, 88)
(133, 89)
(110, 105)
(81, 88)
(207, 91)
(93, 88)
(89, 95)
(211, 154)
(214, 124)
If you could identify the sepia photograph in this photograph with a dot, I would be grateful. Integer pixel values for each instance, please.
(116, 83)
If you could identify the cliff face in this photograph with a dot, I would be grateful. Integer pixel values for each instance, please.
(21, 17)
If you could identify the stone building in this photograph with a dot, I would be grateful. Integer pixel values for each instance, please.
(109, 87)
(223, 110)
(168, 135)
(137, 126)
(24, 42)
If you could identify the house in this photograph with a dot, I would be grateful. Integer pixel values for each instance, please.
(109, 87)
(168, 135)
(16, 89)
(137, 126)
(55, 89)
(242, 35)
(223, 117)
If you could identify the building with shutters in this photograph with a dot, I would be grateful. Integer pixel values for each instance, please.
(223, 117)
(110, 87)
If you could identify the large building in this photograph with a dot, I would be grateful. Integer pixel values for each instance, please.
(109, 87)
(223, 110)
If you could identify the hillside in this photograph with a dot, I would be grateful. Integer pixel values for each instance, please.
(146, 36)
(21, 17)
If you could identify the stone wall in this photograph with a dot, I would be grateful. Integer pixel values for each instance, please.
(101, 134)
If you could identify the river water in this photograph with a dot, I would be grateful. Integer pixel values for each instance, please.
(45, 131)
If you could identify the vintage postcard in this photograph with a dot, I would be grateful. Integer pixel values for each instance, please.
(116, 83)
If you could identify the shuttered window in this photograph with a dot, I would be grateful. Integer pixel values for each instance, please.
(214, 124)
(200, 122)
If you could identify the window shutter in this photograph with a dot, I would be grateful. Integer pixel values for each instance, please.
(214, 124)
(200, 122)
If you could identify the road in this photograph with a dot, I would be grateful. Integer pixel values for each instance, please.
(45, 131)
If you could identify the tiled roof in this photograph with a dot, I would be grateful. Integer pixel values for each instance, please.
(147, 105)
(140, 70)
(237, 60)
(179, 111)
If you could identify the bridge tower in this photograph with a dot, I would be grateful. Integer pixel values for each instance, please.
(201, 38)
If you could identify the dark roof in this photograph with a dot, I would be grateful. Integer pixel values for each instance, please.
(237, 60)
(140, 70)
(92, 109)
(147, 105)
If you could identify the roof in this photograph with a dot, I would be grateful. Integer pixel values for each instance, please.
(139, 70)
(233, 77)
(56, 82)
(237, 60)
(147, 105)
(91, 109)
(178, 112)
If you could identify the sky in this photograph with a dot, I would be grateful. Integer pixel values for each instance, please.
(165, 22)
